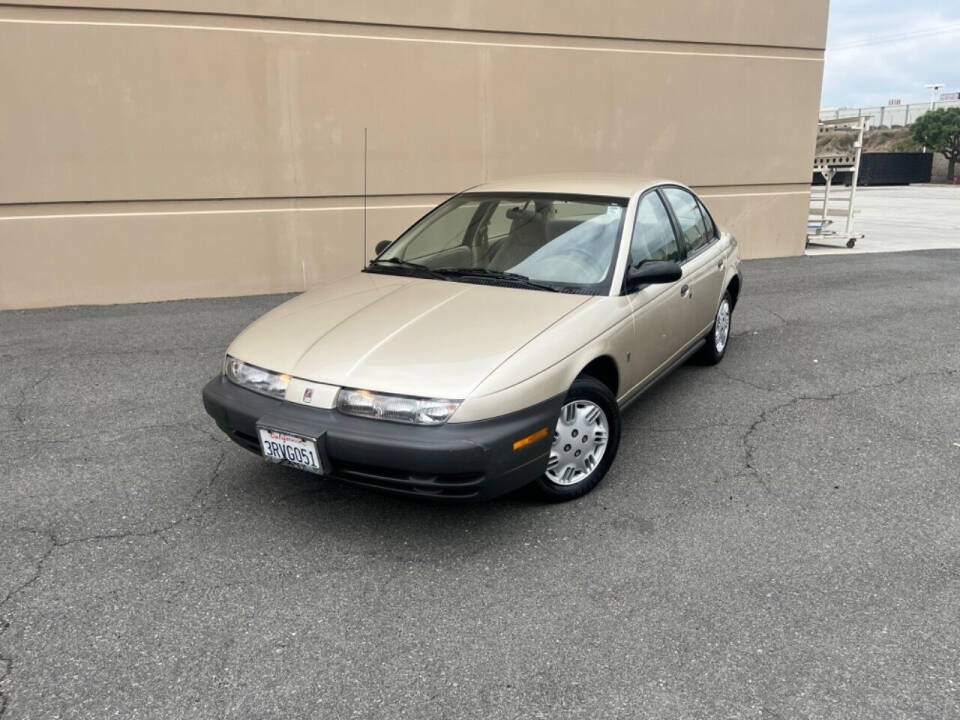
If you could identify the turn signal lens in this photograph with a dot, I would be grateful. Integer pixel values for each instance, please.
(530, 439)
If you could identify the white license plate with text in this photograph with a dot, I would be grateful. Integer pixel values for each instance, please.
(282, 447)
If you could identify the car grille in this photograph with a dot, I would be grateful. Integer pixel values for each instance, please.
(461, 485)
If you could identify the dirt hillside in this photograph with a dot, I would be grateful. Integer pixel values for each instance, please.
(879, 140)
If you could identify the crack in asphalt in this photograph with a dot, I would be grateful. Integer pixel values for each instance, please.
(777, 315)
(146, 351)
(6, 661)
(131, 430)
(55, 542)
(748, 383)
(749, 331)
(813, 321)
(745, 439)
(6, 667)
(687, 428)
(790, 400)
(19, 407)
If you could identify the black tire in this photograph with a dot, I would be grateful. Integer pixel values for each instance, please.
(588, 390)
(709, 354)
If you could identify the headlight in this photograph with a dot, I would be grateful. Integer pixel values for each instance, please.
(398, 408)
(256, 379)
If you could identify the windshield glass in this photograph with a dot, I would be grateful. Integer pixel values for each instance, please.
(558, 242)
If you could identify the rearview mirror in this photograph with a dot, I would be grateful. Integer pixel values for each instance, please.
(653, 272)
(382, 245)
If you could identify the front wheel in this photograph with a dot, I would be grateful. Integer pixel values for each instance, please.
(585, 441)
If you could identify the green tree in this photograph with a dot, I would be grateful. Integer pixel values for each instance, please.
(940, 131)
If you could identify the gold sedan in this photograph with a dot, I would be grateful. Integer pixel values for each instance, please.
(491, 345)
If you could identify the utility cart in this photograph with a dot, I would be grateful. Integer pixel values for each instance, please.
(829, 203)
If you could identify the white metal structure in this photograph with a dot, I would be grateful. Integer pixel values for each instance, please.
(891, 116)
(834, 203)
(935, 89)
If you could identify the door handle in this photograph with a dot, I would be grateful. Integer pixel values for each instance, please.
(685, 290)
(719, 264)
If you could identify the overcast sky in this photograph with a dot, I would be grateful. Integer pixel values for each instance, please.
(911, 43)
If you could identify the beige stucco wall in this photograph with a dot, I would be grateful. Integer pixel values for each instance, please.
(156, 150)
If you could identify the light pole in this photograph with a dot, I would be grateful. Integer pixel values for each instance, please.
(934, 89)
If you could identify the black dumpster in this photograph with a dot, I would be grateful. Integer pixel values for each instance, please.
(888, 169)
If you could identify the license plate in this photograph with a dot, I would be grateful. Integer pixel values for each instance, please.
(282, 447)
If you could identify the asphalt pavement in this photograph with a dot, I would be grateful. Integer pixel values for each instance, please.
(779, 537)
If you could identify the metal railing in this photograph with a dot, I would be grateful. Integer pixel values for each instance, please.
(888, 115)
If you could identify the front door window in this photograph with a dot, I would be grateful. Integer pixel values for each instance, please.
(653, 235)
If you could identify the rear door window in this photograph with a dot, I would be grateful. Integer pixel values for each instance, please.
(693, 225)
(711, 227)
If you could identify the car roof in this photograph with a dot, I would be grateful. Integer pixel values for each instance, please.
(579, 183)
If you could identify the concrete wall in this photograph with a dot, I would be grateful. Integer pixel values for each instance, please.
(940, 167)
(154, 150)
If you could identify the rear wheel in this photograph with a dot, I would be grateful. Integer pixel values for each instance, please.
(719, 337)
(585, 441)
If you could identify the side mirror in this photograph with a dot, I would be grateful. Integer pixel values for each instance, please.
(382, 245)
(652, 272)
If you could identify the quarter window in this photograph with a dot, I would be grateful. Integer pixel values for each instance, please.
(693, 227)
(711, 227)
(653, 235)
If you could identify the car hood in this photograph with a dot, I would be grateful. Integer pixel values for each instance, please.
(403, 335)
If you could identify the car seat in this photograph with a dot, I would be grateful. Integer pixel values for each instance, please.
(528, 233)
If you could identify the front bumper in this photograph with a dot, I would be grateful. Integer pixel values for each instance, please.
(473, 460)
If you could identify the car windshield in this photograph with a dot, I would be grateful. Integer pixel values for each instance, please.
(560, 243)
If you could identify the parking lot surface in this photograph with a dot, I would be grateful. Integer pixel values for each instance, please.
(779, 537)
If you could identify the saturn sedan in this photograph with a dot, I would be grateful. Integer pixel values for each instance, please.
(492, 345)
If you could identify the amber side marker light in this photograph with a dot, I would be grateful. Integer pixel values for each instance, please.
(530, 439)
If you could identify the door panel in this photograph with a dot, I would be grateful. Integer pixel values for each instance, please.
(658, 336)
(703, 271)
(659, 311)
(705, 276)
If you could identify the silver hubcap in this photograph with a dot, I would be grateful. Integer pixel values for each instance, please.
(722, 331)
(578, 443)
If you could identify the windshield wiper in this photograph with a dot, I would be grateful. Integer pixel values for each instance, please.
(407, 265)
(485, 273)
(466, 273)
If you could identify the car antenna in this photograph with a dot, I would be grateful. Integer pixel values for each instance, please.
(364, 264)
